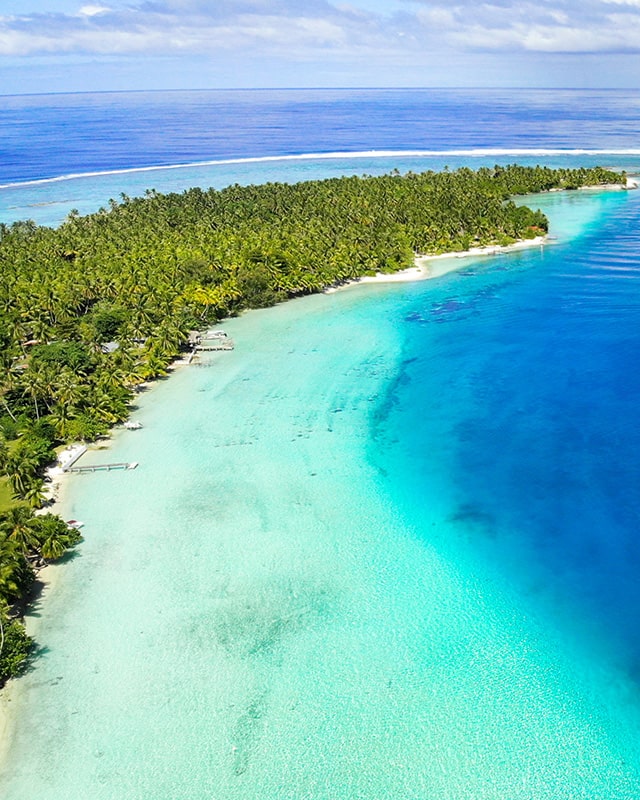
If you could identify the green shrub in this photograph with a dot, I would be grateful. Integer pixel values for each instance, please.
(16, 647)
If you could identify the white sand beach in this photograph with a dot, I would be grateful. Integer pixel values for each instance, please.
(428, 267)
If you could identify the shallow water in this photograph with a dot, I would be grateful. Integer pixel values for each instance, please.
(384, 548)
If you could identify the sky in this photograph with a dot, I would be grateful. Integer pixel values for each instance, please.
(103, 45)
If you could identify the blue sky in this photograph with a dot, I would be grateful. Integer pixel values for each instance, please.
(66, 45)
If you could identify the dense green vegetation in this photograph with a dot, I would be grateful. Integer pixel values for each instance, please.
(106, 301)
(27, 542)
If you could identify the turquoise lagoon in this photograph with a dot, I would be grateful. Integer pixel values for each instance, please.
(383, 549)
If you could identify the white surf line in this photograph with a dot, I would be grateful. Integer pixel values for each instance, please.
(478, 152)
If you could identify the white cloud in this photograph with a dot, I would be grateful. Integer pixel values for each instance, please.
(296, 30)
(561, 17)
(438, 17)
(545, 39)
(288, 26)
(92, 11)
(157, 28)
(543, 27)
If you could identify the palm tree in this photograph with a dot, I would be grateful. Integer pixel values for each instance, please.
(34, 494)
(20, 468)
(7, 385)
(52, 548)
(60, 417)
(36, 383)
(67, 388)
(155, 366)
(18, 525)
(12, 568)
(54, 536)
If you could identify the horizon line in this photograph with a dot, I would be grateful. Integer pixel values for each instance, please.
(330, 89)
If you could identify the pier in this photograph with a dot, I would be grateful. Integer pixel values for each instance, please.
(107, 467)
(70, 455)
(211, 340)
(215, 344)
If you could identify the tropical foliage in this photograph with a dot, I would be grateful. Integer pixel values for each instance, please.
(15, 647)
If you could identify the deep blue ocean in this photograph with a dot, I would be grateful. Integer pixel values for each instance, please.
(45, 136)
(507, 435)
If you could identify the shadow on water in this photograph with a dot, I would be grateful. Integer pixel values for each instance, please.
(246, 733)
(37, 652)
(255, 627)
(476, 518)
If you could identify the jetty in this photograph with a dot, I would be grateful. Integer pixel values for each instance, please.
(215, 344)
(211, 340)
(107, 467)
(70, 455)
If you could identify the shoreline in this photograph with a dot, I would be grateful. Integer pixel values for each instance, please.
(57, 482)
(11, 693)
(423, 268)
(630, 184)
(49, 577)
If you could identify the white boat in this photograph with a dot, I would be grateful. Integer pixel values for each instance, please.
(132, 426)
(75, 523)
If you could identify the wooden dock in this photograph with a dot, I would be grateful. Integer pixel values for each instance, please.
(107, 467)
(69, 457)
(210, 340)
(215, 344)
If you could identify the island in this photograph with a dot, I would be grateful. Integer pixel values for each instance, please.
(105, 302)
